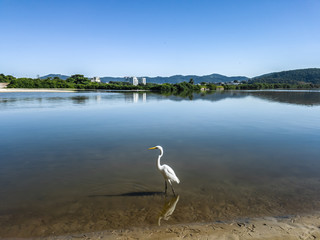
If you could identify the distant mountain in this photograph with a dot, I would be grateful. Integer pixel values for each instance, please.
(113, 79)
(63, 77)
(309, 75)
(213, 78)
(103, 79)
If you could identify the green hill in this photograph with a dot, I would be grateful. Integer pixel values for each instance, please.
(63, 77)
(213, 78)
(299, 76)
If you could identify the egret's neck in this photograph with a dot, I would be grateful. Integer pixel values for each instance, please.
(158, 162)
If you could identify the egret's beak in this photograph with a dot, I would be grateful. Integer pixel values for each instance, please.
(153, 148)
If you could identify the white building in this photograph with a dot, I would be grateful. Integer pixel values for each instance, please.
(135, 81)
(95, 79)
(143, 81)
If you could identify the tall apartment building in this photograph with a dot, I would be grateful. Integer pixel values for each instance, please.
(95, 79)
(135, 81)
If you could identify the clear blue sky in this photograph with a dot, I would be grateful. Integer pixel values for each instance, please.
(158, 37)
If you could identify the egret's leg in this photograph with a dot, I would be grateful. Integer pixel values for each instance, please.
(172, 189)
(165, 187)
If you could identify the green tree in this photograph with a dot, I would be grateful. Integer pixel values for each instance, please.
(7, 78)
(78, 79)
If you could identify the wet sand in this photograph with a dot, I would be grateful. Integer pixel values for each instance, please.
(294, 227)
(155, 217)
(3, 85)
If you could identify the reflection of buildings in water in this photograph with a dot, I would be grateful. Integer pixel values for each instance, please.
(168, 209)
(98, 98)
(135, 97)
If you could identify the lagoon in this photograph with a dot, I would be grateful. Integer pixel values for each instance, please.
(79, 162)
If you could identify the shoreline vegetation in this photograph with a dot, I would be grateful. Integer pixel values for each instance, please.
(294, 79)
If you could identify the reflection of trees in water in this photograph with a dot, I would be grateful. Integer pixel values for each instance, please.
(79, 99)
(55, 99)
(7, 100)
(209, 95)
(168, 209)
(309, 98)
(292, 97)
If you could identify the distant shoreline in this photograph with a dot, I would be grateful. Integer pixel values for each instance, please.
(56, 90)
(4, 90)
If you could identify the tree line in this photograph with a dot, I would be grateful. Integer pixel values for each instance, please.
(259, 86)
(78, 81)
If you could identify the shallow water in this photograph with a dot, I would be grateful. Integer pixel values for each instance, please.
(79, 162)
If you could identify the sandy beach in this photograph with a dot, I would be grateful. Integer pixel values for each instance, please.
(7, 90)
(295, 227)
(3, 88)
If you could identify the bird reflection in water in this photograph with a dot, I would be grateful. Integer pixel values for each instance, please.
(168, 209)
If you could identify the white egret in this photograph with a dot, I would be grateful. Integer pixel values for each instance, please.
(166, 171)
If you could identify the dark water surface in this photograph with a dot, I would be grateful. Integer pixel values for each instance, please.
(79, 162)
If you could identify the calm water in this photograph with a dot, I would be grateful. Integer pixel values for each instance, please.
(79, 162)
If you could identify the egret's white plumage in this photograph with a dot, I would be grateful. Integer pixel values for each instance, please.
(166, 171)
(169, 174)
